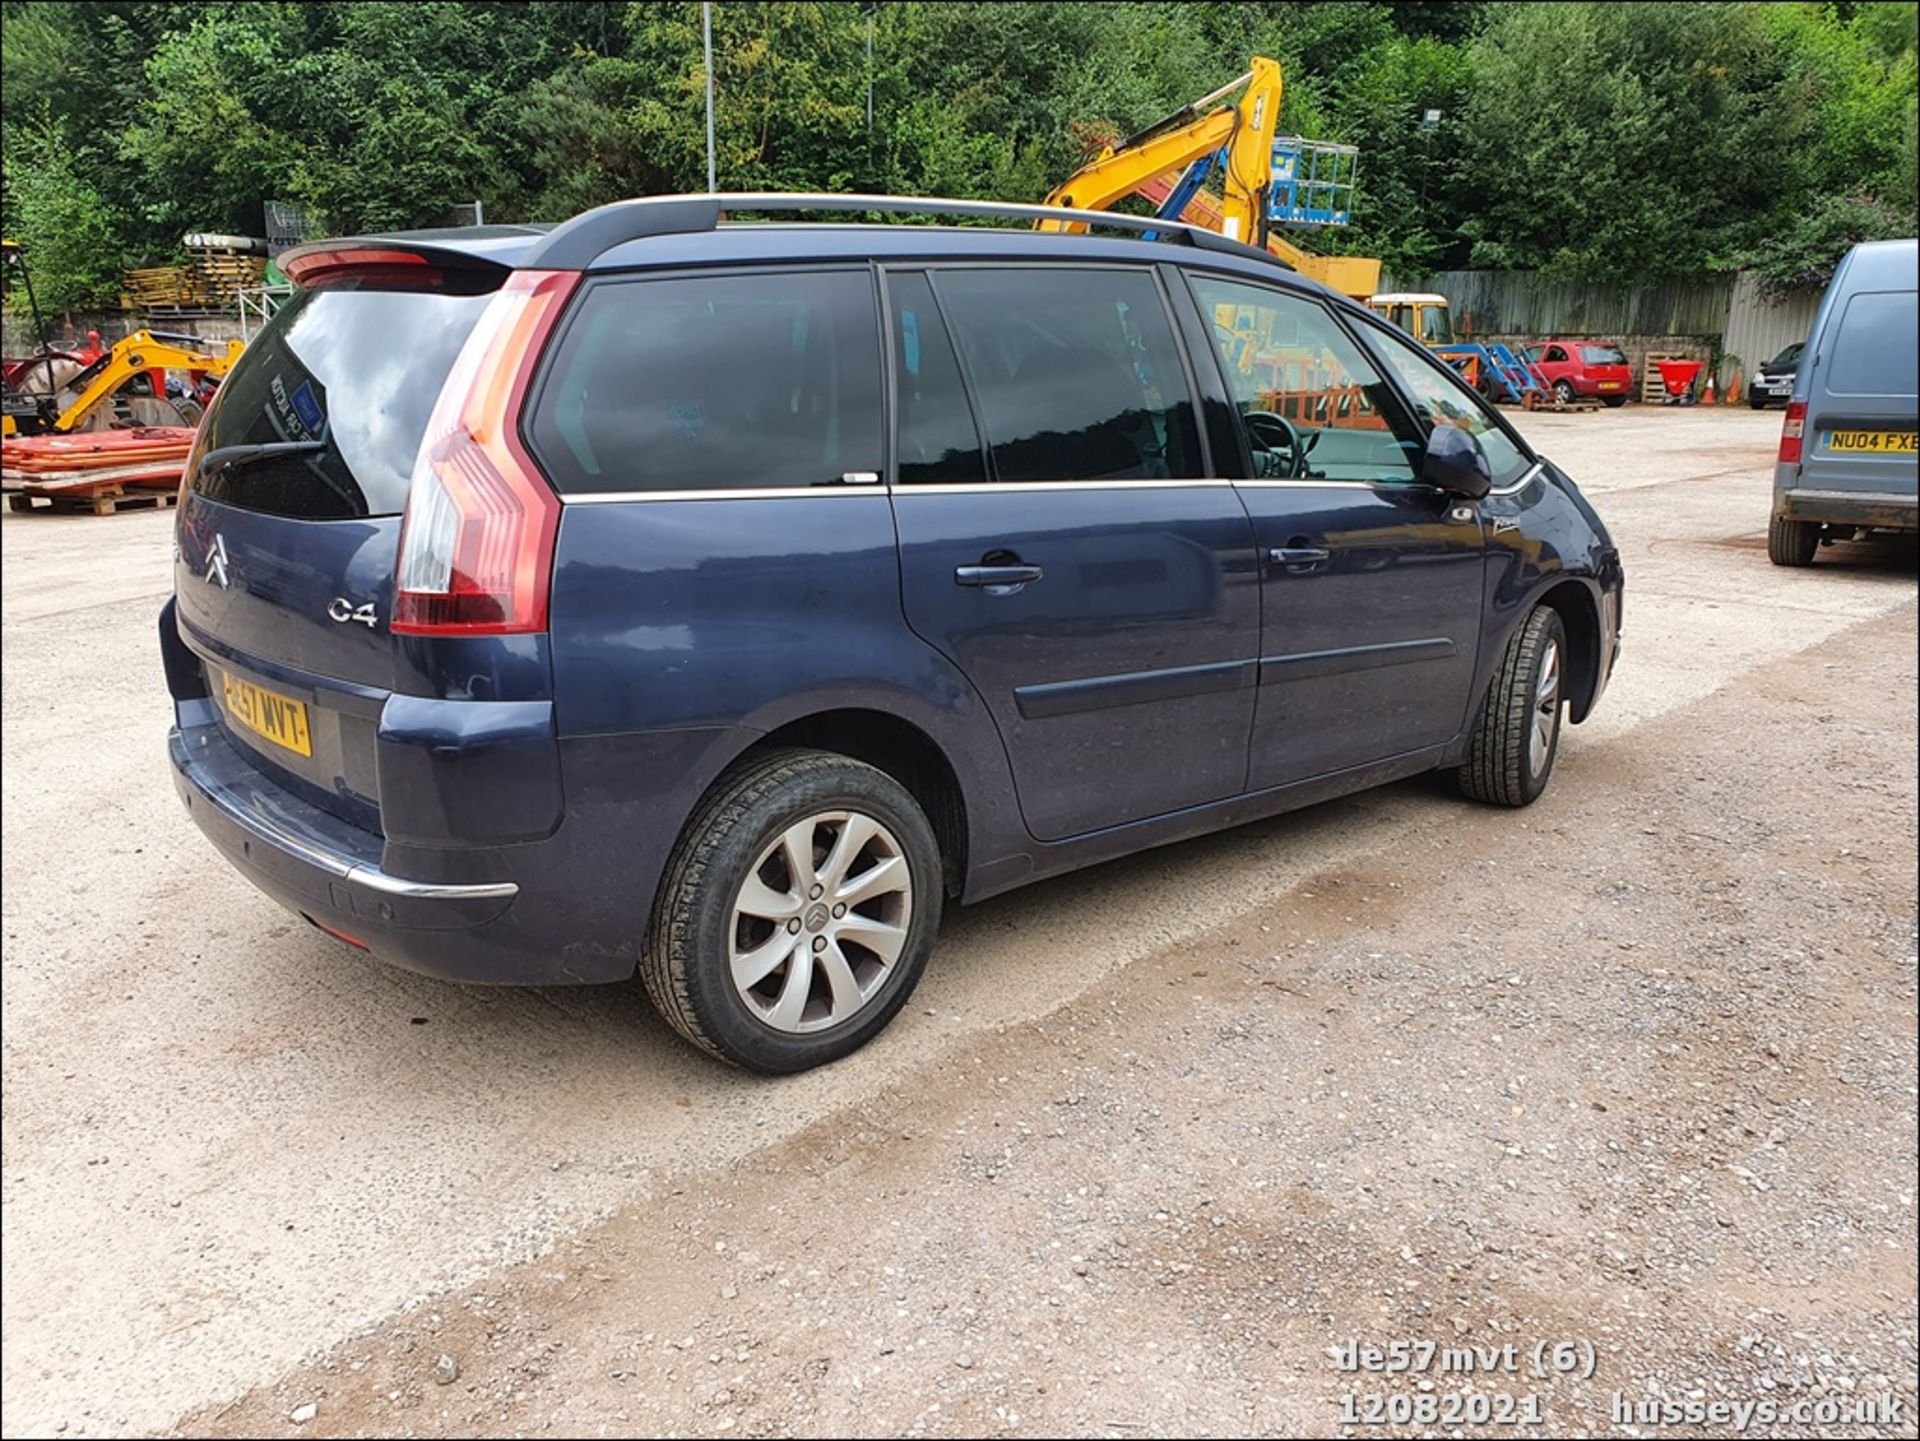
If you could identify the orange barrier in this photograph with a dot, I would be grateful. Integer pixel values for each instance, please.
(1342, 407)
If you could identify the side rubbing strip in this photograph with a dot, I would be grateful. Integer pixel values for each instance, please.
(1277, 669)
(1101, 692)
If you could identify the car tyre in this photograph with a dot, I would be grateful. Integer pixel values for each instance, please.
(730, 866)
(1614, 402)
(1511, 751)
(1563, 392)
(1792, 542)
(1757, 401)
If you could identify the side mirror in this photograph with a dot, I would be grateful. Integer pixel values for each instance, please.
(1455, 463)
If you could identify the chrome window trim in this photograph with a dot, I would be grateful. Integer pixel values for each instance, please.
(991, 487)
(1527, 478)
(748, 492)
(1330, 485)
(979, 487)
(1003, 486)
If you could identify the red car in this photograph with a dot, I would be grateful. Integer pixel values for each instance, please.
(1595, 368)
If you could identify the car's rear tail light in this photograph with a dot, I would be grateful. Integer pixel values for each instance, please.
(476, 542)
(1790, 433)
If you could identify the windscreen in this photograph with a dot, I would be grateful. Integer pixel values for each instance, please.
(357, 369)
(1603, 355)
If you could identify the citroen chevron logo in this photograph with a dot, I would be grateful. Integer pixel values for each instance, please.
(217, 562)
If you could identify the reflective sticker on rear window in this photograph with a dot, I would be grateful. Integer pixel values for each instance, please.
(307, 407)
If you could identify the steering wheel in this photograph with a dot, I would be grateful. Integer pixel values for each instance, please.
(1278, 451)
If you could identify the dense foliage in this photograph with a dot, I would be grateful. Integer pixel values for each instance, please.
(1620, 141)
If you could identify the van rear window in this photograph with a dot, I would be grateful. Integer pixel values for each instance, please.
(359, 369)
(1872, 352)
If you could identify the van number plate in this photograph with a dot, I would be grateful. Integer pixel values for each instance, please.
(281, 719)
(1872, 442)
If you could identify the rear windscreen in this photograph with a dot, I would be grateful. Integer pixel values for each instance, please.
(1872, 352)
(1602, 355)
(358, 369)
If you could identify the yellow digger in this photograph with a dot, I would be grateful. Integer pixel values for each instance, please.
(59, 392)
(125, 385)
(1239, 140)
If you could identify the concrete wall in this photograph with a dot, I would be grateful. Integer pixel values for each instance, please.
(112, 325)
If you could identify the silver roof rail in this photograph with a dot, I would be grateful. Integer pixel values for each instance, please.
(579, 242)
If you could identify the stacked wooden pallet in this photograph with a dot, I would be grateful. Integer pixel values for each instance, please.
(225, 271)
(1653, 390)
(164, 288)
(216, 276)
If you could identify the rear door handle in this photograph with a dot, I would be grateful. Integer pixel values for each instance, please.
(996, 575)
(1298, 554)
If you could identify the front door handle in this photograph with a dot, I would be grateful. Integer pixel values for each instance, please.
(996, 575)
(1298, 554)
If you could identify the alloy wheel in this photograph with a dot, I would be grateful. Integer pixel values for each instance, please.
(820, 921)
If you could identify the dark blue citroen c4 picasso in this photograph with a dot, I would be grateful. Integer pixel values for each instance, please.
(716, 598)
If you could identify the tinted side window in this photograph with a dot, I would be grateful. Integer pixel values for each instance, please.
(715, 383)
(1442, 399)
(358, 369)
(1074, 372)
(938, 440)
(1872, 352)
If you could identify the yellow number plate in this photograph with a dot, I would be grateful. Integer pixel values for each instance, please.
(279, 718)
(1873, 442)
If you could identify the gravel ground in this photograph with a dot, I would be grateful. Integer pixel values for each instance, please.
(1634, 1068)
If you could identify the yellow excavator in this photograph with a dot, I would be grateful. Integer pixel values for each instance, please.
(59, 392)
(125, 385)
(1239, 139)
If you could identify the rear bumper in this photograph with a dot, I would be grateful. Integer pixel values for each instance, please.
(285, 844)
(327, 871)
(1845, 507)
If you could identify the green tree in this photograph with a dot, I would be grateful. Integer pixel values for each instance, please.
(71, 237)
(1599, 141)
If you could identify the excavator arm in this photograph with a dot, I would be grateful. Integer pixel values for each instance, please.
(1244, 130)
(142, 350)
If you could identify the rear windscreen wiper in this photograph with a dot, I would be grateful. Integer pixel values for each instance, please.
(228, 456)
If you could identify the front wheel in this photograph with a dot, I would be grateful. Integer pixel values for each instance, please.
(797, 913)
(1511, 752)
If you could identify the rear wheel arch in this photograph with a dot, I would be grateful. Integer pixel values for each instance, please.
(903, 751)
